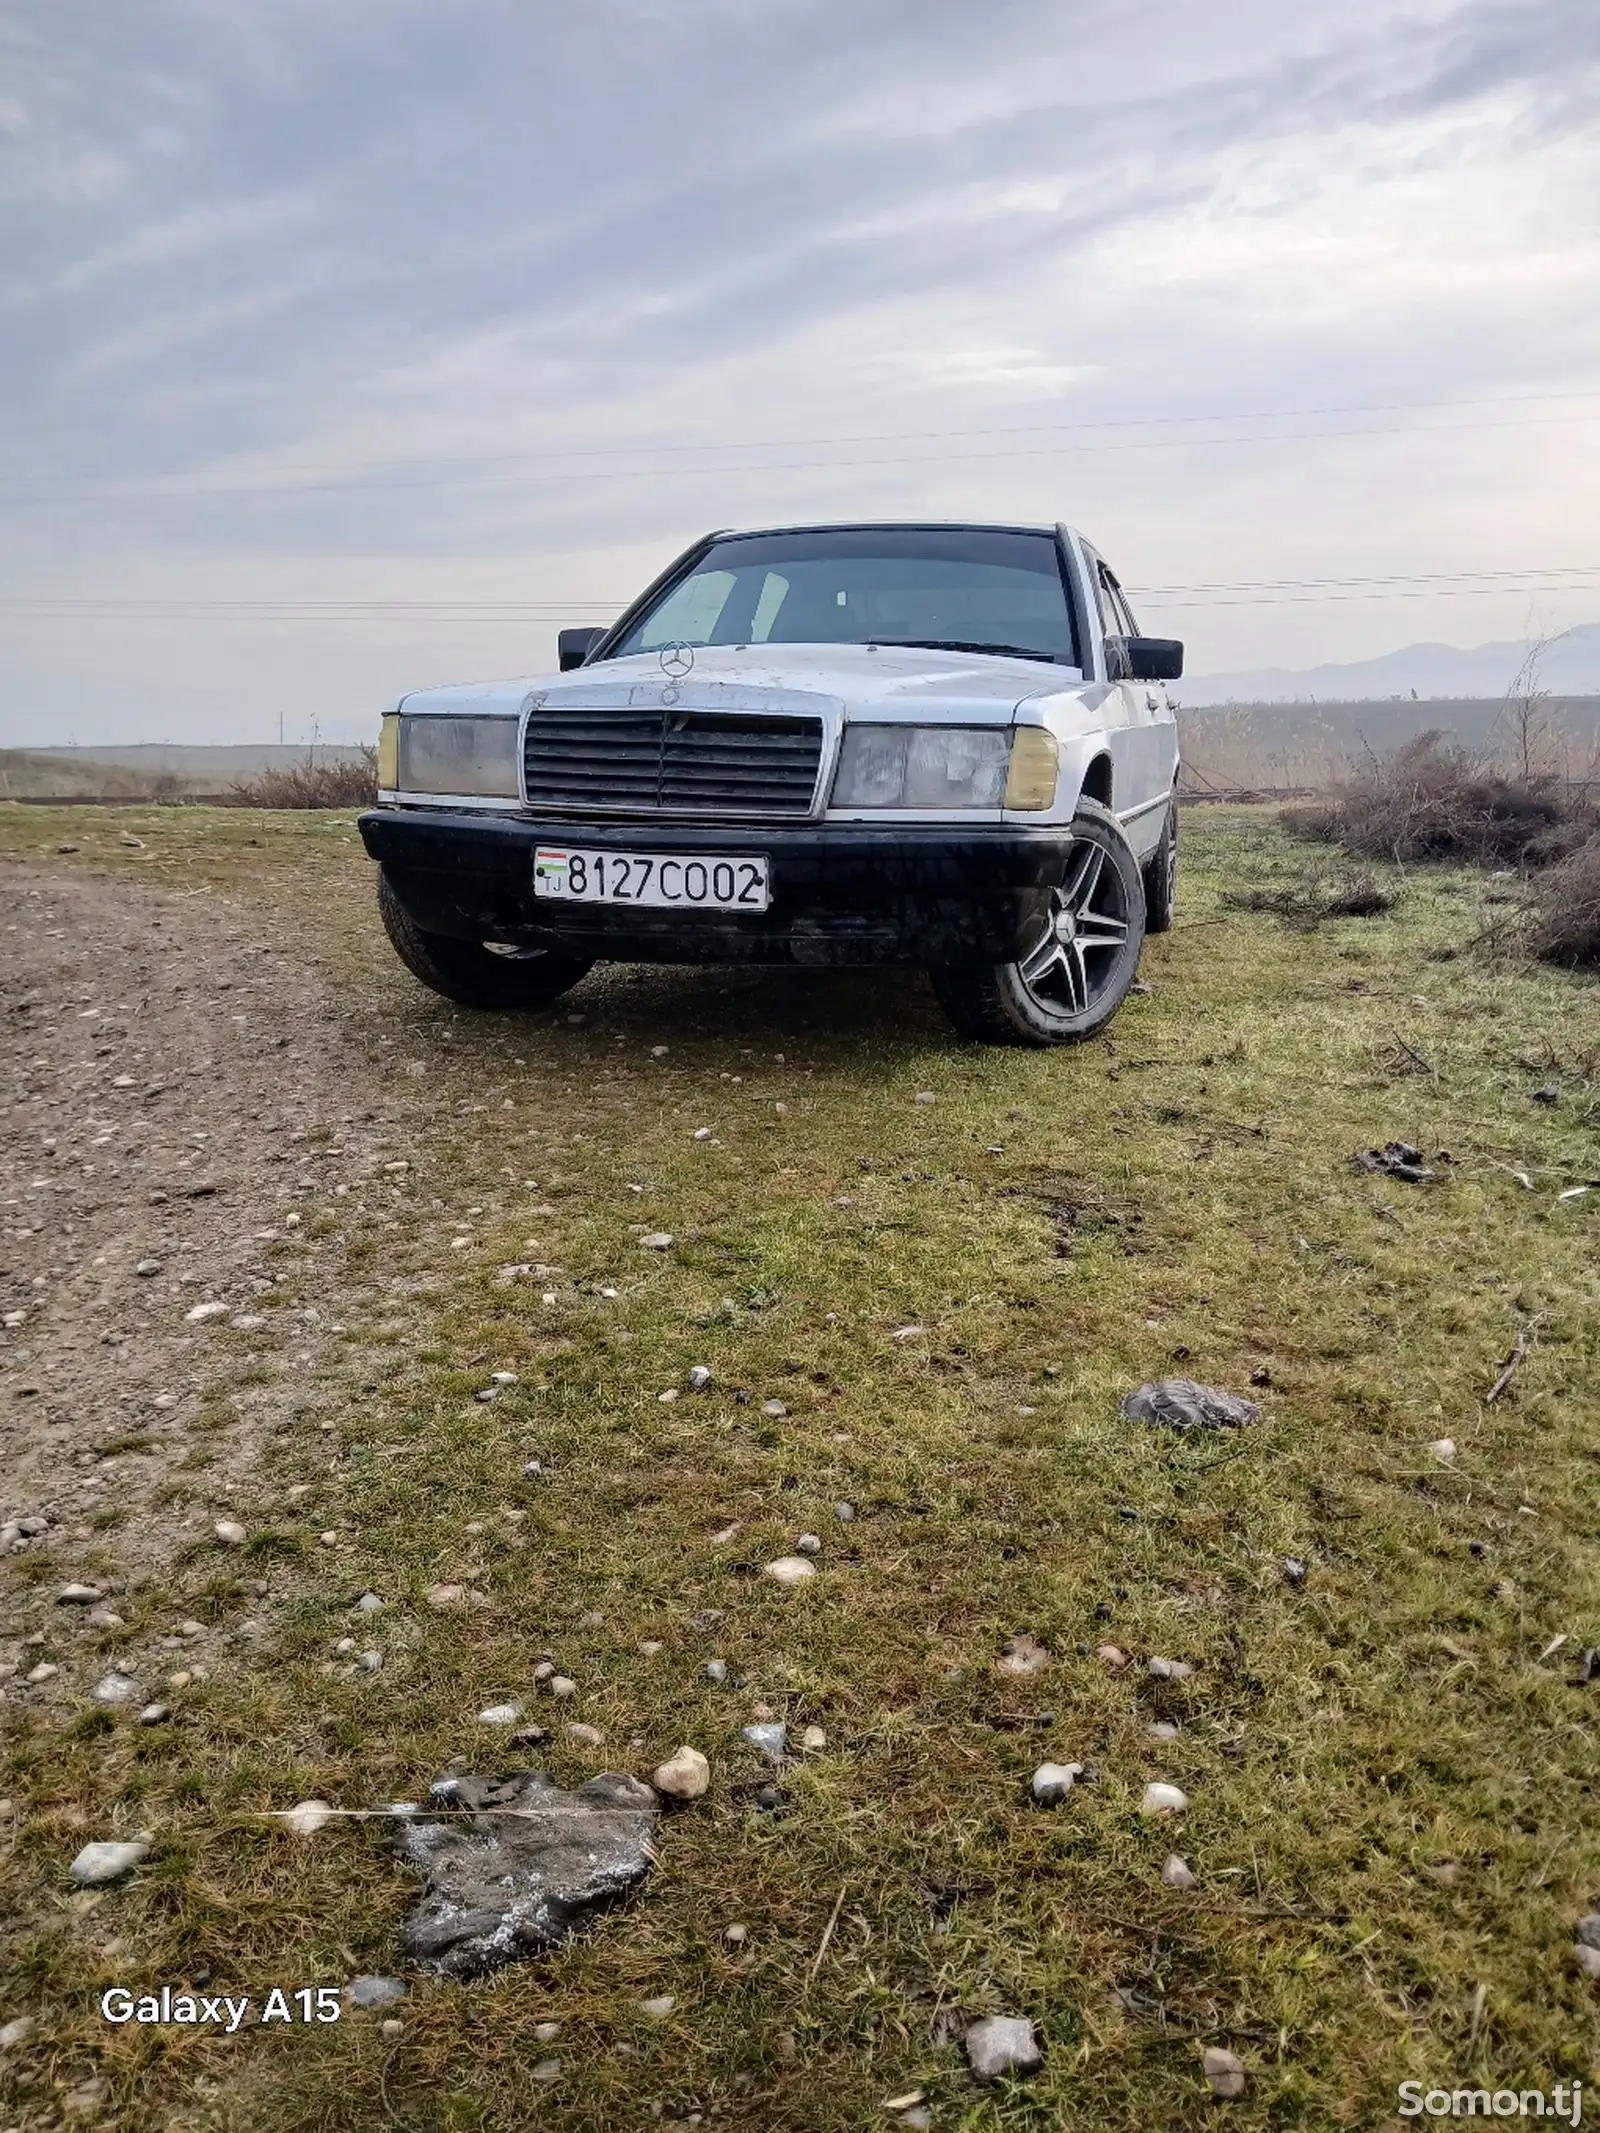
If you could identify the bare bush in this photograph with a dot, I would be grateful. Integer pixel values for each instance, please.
(341, 783)
(1307, 902)
(1563, 918)
(1431, 800)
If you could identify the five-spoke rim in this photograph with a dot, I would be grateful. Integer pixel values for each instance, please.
(1086, 929)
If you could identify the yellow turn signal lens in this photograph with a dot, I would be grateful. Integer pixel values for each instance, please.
(389, 753)
(1035, 766)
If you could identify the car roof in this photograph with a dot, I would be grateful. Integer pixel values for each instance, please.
(886, 525)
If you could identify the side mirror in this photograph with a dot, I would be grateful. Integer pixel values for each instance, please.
(1154, 658)
(574, 646)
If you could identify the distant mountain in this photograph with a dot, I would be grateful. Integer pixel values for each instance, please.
(1570, 667)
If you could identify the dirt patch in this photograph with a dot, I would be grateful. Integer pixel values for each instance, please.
(183, 1124)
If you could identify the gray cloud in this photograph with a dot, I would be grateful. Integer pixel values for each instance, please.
(267, 246)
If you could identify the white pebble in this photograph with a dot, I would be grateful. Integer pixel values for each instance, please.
(229, 1532)
(659, 2007)
(307, 1817)
(98, 1864)
(1162, 1799)
(500, 1714)
(790, 1570)
(1176, 1874)
(1053, 1781)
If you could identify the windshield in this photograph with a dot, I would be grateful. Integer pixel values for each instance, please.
(967, 589)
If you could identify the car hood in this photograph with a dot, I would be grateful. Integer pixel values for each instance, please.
(929, 687)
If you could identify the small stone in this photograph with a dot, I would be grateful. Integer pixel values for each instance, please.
(147, 1267)
(768, 1739)
(344, 1647)
(391, 2028)
(1176, 1874)
(925, 1096)
(1294, 1570)
(659, 1240)
(1586, 1958)
(717, 1671)
(790, 1570)
(16, 2031)
(844, 1513)
(546, 2032)
(547, 2070)
(1000, 2045)
(98, 1864)
(658, 2008)
(44, 1671)
(762, 1710)
(1161, 1729)
(1225, 2072)
(699, 1378)
(201, 1312)
(1586, 1930)
(809, 1544)
(229, 1532)
(586, 1736)
(1022, 1655)
(1053, 1781)
(181, 1679)
(813, 1740)
(1443, 1448)
(563, 1685)
(79, 1595)
(500, 1714)
(591, 1620)
(446, 1595)
(774, 1410)
(90, 2097)
(115, 1689)
(1170, 1669)
(702, 1133)
(651, 1647)
(370, 1604)
(307, 1817)
(370, 1662)
(370, 1991)
(104, 1618)
(1160, 1799)
(1111, 1655)
(735, 1936)
(155, 1714)
(683, 1776)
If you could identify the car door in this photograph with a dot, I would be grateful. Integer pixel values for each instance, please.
(1143, 744)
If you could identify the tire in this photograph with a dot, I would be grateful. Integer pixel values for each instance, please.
(469, 974)
(1067, 988)
(1161, 876)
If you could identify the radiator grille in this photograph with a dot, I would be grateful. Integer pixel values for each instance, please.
(629, 760)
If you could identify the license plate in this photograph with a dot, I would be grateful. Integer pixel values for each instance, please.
(657, 881)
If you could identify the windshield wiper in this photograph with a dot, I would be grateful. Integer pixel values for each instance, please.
(960, 644)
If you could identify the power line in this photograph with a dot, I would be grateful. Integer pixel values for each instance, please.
(504, 464)
(1222, 592)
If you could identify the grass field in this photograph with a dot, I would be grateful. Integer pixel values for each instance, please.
(1392, 1790)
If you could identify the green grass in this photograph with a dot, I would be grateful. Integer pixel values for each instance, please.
(1392, 1796)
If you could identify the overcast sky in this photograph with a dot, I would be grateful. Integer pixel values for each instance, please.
(417, 307)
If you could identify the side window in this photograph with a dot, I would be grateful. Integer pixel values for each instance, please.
(1115, 613)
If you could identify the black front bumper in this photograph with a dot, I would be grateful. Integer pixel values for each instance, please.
(840, 894)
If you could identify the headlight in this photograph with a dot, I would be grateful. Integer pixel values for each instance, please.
(1035, 767)
(473, 757)
(389, 752)
(922, 766)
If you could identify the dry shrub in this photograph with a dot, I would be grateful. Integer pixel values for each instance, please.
(1563, 920)
(342, 783)
(1431, 800)
(1306, 903)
